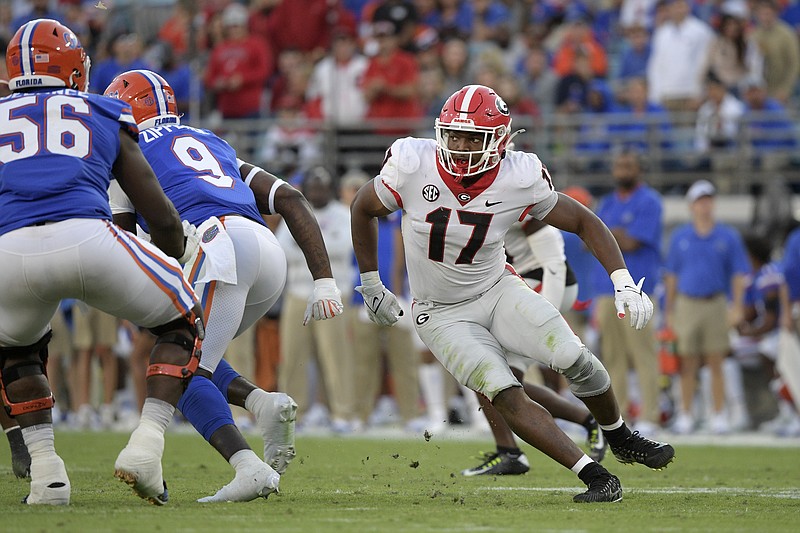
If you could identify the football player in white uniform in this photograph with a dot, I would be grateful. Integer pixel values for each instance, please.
(536, 251)
(459, 195)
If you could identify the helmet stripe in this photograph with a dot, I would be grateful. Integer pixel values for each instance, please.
(158, 92)
(25, 51)
(465, 103)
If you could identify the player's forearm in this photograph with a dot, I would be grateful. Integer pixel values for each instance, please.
(364, 230)
(304, 228)
(602, 244)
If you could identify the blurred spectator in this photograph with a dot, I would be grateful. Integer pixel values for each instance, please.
(325, 339)
(767, 125)
(577, 40)
(403, 15)
(509, 89)
(635, 53)
(455, 19)
(179, 75)
(638, 122)
(390, 81)
(289, 145)
(126, 54)
(734, 56)
(306, 25)
(490, 22)
(432, 95)
(455, 64)
(717, 124)
(539, 80)
(593, 140)
(675, 69)
(634, 214)
(176, 29)
(39, 9)
(95, 335)
(705, 264)
(238, 67)
(333, 91)
(573, 89)
(637, 13)
(292, 78)
(780, 48)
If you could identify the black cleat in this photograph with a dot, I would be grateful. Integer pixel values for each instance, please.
(603, 488)
(499, 464)
(596, 441)
(638, 449)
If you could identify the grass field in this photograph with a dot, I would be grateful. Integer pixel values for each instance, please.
(375, 485)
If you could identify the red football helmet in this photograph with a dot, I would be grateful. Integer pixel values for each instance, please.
(150, 96)
(45, 53)
(473, 109)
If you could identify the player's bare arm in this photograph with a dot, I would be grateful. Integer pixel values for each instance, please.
(572, 216)
(137, 180)
(364, 227)
(126, 221)
(295, 210)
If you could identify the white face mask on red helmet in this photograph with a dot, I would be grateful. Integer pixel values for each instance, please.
(474, 109)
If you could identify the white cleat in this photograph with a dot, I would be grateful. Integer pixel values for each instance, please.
(141, 469)
(49, 482)
(258, 482)
(276, 414)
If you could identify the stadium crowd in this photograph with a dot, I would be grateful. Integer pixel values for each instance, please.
(632, 62)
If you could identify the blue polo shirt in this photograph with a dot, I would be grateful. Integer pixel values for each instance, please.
(582, 262)
(640, 214)
(791, 264)
(704, 266)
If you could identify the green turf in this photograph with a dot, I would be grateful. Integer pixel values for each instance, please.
(361, 485)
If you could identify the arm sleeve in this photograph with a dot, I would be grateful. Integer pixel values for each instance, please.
(388, 184)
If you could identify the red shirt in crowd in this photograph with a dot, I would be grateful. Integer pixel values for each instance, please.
(248, 59)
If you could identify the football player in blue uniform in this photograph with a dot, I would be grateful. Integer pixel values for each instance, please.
(239, 272)
(58, 148)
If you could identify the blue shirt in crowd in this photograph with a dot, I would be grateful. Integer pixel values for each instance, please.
(791, 264)
(705, 265)
(640, 215)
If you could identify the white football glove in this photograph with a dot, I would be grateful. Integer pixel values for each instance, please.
(192, 242)
(325, 302)
(629, 294)
(382, 306)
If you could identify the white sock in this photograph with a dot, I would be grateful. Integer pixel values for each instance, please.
(431, 381)
(583, 461)
(243, 458)
(40, 441)
(157, 414)
(612, 427)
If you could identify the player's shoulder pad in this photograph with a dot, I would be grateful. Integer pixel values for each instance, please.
(406, 153)
(525, 167)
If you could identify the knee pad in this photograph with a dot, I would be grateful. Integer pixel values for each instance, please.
(33, 363)
(587, 376)
(190, 339)
(223, 376)
(203, 405)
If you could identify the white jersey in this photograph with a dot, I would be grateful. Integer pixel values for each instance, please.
(453, 236)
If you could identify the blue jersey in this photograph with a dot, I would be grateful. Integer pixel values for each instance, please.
(705, 265)
(791, 264)
(198, 172)
(640, 216)
(57, 148)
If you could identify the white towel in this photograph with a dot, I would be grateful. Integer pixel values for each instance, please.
(218, 254)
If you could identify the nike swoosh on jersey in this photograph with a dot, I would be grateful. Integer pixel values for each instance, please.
(490, 204)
